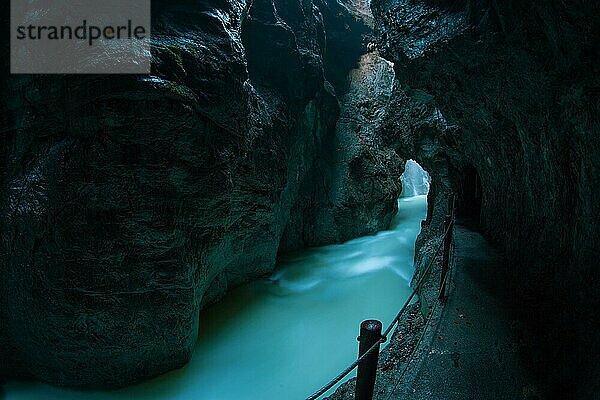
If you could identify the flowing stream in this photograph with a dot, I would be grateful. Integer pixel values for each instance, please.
(286, 336)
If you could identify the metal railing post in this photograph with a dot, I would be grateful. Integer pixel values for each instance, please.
(446, 255)
(370, 338)
(370, 333)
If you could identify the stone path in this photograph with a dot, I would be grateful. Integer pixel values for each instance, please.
(469, 349)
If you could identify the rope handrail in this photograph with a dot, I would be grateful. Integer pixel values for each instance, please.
(384, 335)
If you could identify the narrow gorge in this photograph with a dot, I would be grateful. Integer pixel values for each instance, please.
(255, 177)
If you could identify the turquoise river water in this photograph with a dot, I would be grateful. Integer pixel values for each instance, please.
(286, 336)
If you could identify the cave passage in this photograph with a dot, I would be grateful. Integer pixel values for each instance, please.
(470, 196)
(286, 336)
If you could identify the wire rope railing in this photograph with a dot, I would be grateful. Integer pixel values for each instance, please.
(448, 224)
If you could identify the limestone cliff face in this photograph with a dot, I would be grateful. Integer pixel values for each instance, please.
(360, 176)
(501, 97)
(129, 202)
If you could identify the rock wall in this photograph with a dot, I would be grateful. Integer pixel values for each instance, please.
(359, 176)
(501, 97)
(130, 202)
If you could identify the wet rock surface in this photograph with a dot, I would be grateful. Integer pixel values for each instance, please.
(130, 202)
(361, 176)
(500, 100)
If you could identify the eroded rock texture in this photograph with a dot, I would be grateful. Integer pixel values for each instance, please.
(128, 203)
(500, 99)
(361, 176)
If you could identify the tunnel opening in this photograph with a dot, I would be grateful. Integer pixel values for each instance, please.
(470, 196)
(415, 180)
